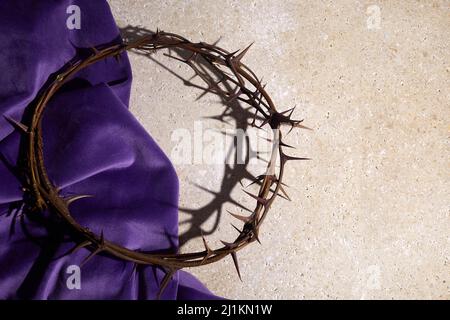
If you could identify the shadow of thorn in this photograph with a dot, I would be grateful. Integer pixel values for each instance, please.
(233, 174)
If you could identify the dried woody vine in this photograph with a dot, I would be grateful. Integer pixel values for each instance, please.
(248, 89)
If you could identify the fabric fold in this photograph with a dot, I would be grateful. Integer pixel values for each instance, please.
(92, 145)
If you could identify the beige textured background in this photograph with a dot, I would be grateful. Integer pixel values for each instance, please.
(370, 214)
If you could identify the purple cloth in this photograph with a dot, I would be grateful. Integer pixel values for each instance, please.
(93, 145)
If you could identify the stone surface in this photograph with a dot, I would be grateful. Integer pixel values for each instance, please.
(370, 214)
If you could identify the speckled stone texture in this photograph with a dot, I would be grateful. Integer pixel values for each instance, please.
(370, 213)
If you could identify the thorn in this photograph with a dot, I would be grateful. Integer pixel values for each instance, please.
(266, 121)
(17, 125)
(236, 228)
(231, 55)
(217, 41)
(238, 58)
(100, 247)
(102, 239)
(261, 177)
(165, 282)
(259, 199)
(71, 199)
(295, 124)
(284, 158)
(284, 192)
(92, 254)
(255, 234)
(229, 245)
(284, 184)
(205, 243)
(282, 196)
(241, 218)
(234, 256)
(207, 248)
(290, 111)
(302, 127)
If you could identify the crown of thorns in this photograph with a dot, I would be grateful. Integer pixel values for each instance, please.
(248, 89)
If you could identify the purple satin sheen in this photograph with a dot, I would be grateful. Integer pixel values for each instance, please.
(92, 145)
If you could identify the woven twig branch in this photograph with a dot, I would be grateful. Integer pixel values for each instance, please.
(248, 89)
